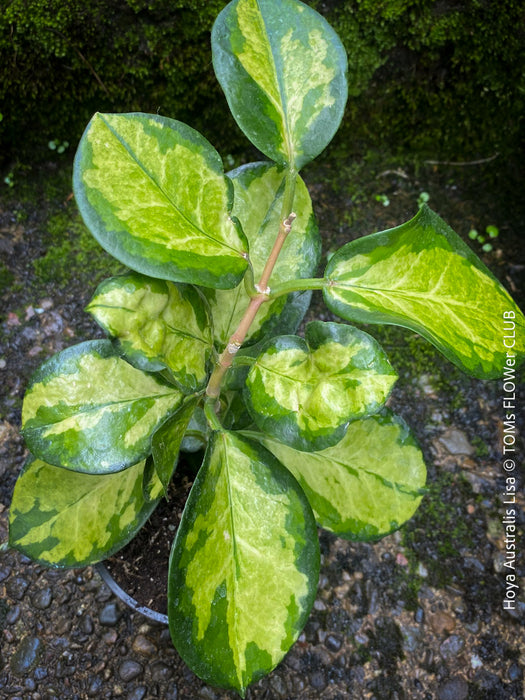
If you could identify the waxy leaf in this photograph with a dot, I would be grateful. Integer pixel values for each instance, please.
(158, 324)
(87, 409)
(368, 484)
(305, 392)
(166, 441)
(63, 518)
(283, 71)
(422, 276)
(153, 193)
(244, 565)
(259, 189)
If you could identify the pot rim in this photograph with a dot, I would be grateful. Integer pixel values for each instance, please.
(126, 598)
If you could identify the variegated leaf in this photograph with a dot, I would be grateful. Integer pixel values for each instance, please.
(63, 518)
(305, 392)
(422, 276)
(258, 198)
(158, 324)
(197, 433)
(244, 565)
(153, 193)
(283, 71)
(166, 441)
(87, 409)
(368, 484)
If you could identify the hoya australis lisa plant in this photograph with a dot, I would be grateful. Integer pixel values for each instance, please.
(202, 352)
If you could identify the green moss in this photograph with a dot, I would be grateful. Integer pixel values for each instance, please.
(6, 277)
(443, 80)
(73, 255)
(439, 532)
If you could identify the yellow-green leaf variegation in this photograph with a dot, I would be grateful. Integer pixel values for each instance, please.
(305, 392)
(153, 193)
(88, 410)
(422, 276)
(64, 518)
(244, 565)
(284, 58)
(368, 484)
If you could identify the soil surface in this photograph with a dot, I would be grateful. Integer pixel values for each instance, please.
(418, 615)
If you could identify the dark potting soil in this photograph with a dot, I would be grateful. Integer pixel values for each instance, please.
(141, 567)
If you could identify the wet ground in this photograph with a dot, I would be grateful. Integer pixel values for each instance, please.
(419, 615)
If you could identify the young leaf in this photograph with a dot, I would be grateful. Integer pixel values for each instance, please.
(305, 392)
(368, 484)
(87, 409)
(63, 518)
(422, 276)
(283, 71)
(258, 197)
(153, 193)
(166, 441)
(158, 324)
(244, 565)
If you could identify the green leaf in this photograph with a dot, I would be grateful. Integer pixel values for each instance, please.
(368, 484)
(158, 324)
(305, 392)
(153, 193)
(283, 71)
(422, 276)
(87, 409)
(63, 518)
(259, 189)
(244, 565)
(166, 441)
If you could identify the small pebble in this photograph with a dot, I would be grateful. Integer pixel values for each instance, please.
(442, 622)
(42, 599)
(515, 672)
(171, 692)
(456, 442)
(86, 624)
(95, 686)
(278, 687)
(333, 643)
(26, 655)
(142, 645)
(475, 661)
(13, 615)
(452, 646)
(160, 672)
(110, 637)
(128, 670)
(40, 673)
(109, 615)
(17, 587)
(137, 694)
(318, 681)
(453, 689)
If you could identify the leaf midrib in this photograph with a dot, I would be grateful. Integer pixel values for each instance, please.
(93, 408)
(281, 108)
(181, 213)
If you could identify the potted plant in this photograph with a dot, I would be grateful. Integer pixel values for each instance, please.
(202, 351)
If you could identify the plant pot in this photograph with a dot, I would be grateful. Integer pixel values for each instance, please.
(138, 573)
(127, 599)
